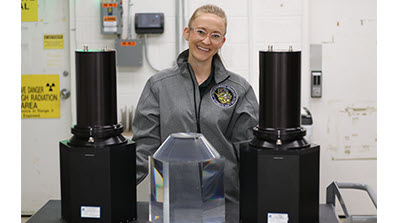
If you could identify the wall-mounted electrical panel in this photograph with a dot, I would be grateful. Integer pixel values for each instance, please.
(149, 23)
(316, 70)
(111, 17)
(128, 52)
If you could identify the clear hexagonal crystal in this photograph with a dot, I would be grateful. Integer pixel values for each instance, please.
(186, 181)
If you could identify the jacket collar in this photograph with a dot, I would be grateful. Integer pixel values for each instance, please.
(220, 73)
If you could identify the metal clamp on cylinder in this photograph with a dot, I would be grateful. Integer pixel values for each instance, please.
(101, 132)
(270, 134)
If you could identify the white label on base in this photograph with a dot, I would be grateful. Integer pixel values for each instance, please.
(90, 212)
(277, 218)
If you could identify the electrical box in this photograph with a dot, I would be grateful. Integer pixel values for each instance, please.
(316, 70)
(316, 84)
(128, 52)
(111, 17)
(149, 23)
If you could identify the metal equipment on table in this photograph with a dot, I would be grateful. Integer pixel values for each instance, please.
(328, 212)
(279, 168)
(98, 182)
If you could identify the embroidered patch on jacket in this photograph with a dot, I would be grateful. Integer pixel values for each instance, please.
(224, 96)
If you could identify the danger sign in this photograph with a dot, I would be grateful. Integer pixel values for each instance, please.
(29, 11)
(40, 96)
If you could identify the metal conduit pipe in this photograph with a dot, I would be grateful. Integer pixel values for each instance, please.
(177, 28)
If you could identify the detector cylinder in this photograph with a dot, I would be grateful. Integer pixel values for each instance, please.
(280, 92)
(96, 88)
(96, 105)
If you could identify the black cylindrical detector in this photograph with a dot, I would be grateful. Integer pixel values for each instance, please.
(96, 88)
(278, 150)
(96, 105)
(279, 90)
(280, 93)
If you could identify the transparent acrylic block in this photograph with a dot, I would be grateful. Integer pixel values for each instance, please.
(186, 181)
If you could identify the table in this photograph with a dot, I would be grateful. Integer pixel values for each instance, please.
(51, 213)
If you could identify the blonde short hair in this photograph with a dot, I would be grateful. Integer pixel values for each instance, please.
(213, 9)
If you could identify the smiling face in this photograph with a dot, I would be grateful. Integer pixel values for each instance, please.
(202, 50)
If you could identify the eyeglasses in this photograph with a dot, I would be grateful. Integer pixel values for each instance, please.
(214, 37)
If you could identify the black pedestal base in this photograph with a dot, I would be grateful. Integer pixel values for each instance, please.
(281, 182)
(98, 184)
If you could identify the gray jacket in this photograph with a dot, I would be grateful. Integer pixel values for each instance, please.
(170, 103)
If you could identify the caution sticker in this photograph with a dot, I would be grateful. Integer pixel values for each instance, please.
(110, 18)
(107, 5)
(53, 41)
(29, 11)
(40, 96)
(128, 43)
(110, 21)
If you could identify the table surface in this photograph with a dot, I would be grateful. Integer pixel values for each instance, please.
(51, 213)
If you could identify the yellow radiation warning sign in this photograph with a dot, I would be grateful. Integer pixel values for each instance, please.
(53, 41)
(29, 11)
(40, 96)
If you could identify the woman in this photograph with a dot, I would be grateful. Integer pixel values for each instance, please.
(198, 95)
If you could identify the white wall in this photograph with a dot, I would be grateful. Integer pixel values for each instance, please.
(344, 118)
(40, 137)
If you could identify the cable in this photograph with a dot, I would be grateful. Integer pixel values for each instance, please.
(128, 20)
(146, 53)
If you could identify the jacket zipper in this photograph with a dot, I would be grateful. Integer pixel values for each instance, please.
(197, 113)
(194, 99)
(198, 119)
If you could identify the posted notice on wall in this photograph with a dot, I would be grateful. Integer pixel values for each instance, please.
(53, 41)
(29, 11)
(40, 96)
